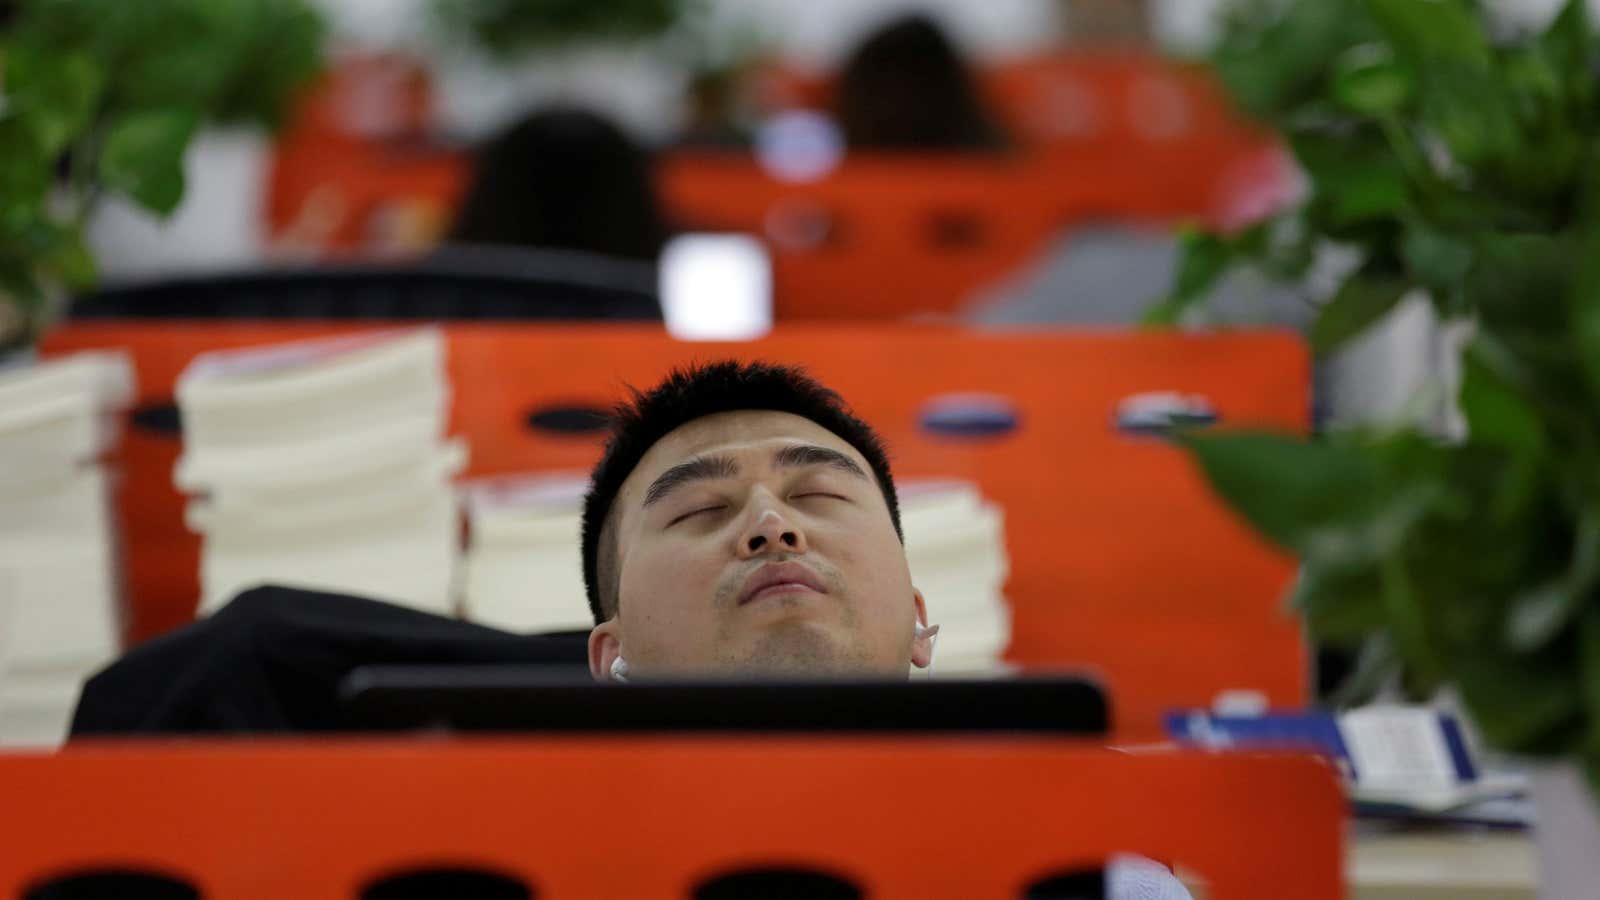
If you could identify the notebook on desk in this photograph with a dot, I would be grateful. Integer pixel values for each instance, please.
(545, 699)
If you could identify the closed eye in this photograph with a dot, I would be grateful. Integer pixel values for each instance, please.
(820, 494)
(695, 512)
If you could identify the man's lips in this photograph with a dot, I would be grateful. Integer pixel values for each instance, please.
(777, 577)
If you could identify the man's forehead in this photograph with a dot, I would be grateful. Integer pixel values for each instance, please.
(729, 433)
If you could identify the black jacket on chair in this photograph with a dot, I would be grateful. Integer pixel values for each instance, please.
(273, 658)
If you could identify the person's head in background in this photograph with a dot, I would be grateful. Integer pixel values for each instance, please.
(906, 88)
(742, 522)
(563, 179)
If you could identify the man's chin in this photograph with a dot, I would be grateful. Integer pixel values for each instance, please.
(799, 649)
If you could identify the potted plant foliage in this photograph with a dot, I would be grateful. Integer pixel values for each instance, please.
(1458, 160)
(511, 28)
(105, 96)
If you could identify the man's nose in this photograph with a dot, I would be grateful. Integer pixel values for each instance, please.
(771, 532)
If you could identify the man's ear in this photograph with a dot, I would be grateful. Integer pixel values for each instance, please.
(922, 644)
(605, 645)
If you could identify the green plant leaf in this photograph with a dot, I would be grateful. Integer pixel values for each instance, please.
(1434, 257)
(1408, 624)
(1291, 490)
(1589, 665)
(143, 157)
(1427, 30)
(24, 174)
(1568, 46)
(1521, 282)
(1495, 412)
(1355, 179)
(508, 29)
(1340, 606)
(54, 92)
(178, 56)
(1460, 95)
(1584, 302)
(1538, 614)
(1361, 301)
(71, 262)
(1471, 110)
(1202, 259)
(20, 286)
(1367, 80)
(282, 51)
(1273, 59)
(1522, 704)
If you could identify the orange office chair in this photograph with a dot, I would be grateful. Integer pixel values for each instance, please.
(1121, 559)
(660, 818)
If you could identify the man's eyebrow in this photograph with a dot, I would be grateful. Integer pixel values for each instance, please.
(698, 469)
(812, 455)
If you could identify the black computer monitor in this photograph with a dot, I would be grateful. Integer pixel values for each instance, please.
(542, 699)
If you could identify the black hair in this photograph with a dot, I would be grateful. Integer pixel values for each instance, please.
(906, 88)
(692, 393)
(563, 179)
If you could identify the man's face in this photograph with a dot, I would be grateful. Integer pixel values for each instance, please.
(758, 542)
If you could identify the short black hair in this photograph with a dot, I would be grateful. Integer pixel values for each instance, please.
(693, 393)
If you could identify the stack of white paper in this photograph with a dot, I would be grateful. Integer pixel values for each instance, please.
(524, 567)
(59, 588)
(955, 545)
(323, 465)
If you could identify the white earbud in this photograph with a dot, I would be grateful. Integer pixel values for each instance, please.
(931, 632)
(619, 670)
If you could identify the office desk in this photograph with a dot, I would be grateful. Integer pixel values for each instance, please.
(1433, 865)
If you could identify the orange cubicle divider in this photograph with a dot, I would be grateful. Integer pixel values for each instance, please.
(1121, 559)
(1122, 134)
(1101, 138)
(647, 818)
(1125, 138)
(881, 237)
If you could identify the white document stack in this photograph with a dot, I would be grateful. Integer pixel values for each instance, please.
(59, 582)
(323, 465)
(523, 570)
(524, 567)
(955, 544)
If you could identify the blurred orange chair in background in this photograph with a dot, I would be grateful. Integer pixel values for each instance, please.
(660, 817)
(1121, 559)
(354, 170)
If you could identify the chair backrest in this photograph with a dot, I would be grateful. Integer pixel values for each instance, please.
(1122, 561)
(655, 818)
(455, 283)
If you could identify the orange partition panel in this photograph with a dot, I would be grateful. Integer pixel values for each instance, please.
(1132, 135)
(1116, 136)
(882, 236)
(1122, 561)
(652, 818)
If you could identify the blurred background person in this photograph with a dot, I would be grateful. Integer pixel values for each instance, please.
(907, 88)
(566, 179)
